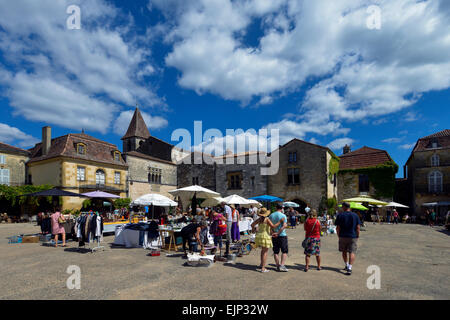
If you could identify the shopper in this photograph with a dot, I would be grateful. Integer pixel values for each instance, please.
(57, 228)
(191, 234)
(395, 214)
(218, 228)
(347, 228)
(279, 238)
(235, 233)
(229, 221)
(312, 239)
(263, 236)
(432, 217)
(292, 218)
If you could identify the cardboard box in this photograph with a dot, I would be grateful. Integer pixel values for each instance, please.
(30, 239)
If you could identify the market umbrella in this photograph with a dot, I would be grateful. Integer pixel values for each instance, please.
(100, 194)
(267, 198)
(366, 199)
(356, 206)
(53, 193)
(236, 199)
(396, 205)
(189, 192)
(154, 199)
(211, 202)
(253, 203)
(291, 204)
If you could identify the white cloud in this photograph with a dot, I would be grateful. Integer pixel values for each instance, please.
(72, 78)
(393, 140)
(407, 146)
(123, 121)
(340, 143)
(12, 135)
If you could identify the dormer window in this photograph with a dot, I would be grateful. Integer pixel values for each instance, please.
(81, 148)
(116, 155)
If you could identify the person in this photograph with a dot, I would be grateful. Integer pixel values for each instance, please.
(200, 216)
(348, 228)
(254, 212)
(427, 216)
(57, 227)
(432, 217)
(235, 234)
(395, 214)
(215, 230)
(292, 218)
(388, 216)
(191, 233)
(263, 236)
(279, 238)
(312, 237)
(229, 221)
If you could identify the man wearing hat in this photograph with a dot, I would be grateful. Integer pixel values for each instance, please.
(347, 228)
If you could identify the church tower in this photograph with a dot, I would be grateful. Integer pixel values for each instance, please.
(136, 134)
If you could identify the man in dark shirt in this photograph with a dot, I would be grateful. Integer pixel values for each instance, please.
(191, 233)
(347, 228)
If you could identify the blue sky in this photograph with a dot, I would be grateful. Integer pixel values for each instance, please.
(314, 70)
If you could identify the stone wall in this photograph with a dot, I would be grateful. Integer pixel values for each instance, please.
(312, 160)
(17, 168)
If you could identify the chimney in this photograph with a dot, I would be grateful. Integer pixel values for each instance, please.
(46, 140)
(346, 149)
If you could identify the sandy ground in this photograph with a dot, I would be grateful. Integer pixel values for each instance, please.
(414, 261)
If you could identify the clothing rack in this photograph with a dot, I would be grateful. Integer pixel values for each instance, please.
(98, 247)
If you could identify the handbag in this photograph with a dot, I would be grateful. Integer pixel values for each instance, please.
(304, 242)
(61, 220)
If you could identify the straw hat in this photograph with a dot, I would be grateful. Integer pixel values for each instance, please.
(232, 206)
(264, 212)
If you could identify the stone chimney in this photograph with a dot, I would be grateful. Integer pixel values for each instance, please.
(46, 140)
(346, 149)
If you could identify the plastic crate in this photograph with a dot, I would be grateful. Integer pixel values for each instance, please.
(15, 239)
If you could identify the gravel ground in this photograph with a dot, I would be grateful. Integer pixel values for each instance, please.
(414, 262)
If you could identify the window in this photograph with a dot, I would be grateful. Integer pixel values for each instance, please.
(100, 177)
(2, 159)
(435, 160)
(154, 175)
(293, 175)
(435, 181)
(81, 148)
(81, 174)
(116, 156)
(4, 176)
(363, 183)
(195, 181)
(292, 157)
(117, 177)
(234, 180)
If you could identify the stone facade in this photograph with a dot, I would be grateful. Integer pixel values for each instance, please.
(426, 161)
(13, 165)
(313, 185)
(139, 177)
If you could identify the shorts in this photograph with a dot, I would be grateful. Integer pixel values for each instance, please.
(348, 245)
(280, 243)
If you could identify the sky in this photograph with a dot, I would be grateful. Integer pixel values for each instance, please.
(364, 73)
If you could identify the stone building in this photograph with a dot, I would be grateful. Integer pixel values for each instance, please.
(305, 174)
(228, 174)
(428, 174)
(77, 163)
(358, 170)
(151, 161)
(13, 165)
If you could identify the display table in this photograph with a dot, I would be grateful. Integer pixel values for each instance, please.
(111, 226)
(134, 238)
(245, 225)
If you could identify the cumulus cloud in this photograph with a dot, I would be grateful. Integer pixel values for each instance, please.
(407, 146)
(12, 135)
(72, 78)
(123, 121)
(340, 143)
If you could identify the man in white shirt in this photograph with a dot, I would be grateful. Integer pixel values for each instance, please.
(228, 213)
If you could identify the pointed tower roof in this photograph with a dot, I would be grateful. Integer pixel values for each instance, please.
(137, 127)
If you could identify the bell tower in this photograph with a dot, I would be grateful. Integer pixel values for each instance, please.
(137, 132)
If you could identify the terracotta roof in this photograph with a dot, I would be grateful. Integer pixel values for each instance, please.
(145, 156)
(442, 138)
(137, 127)
(363, 158)
(14, 150)
(65, 146)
